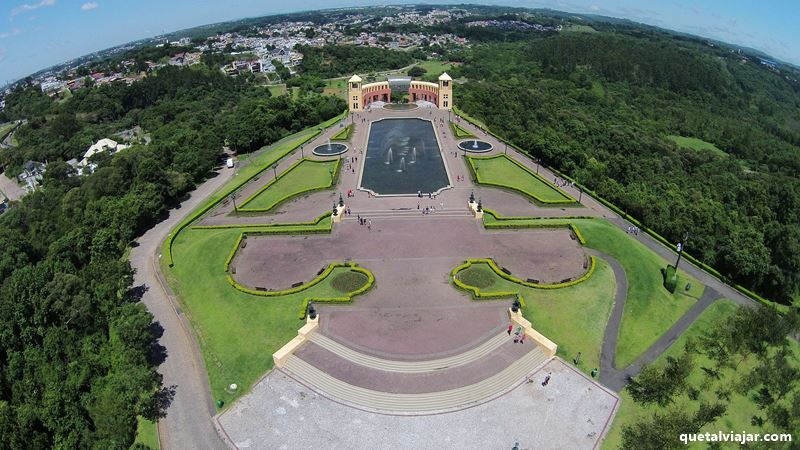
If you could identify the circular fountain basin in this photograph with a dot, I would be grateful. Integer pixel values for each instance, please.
(400, 106)
(329, 149)
(475, 146)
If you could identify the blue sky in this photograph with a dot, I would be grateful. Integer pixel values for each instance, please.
(35, 34)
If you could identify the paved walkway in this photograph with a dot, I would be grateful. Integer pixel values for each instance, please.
(571, 412)
(188, 421)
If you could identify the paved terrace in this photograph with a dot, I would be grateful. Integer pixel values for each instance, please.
(571, 412)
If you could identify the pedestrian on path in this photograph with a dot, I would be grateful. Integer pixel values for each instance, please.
(518, 330)
(522, 339)
(546, 380)
(369, 225)
(510, 327)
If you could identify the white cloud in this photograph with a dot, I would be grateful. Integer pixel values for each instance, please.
(25, 7)
(13, 32)
(88, 6)
(595, 8)
(2, 53)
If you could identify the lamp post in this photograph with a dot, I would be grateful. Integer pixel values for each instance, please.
(537, 166)
(330, 172)
(233, 197)
(580, 194)
(681, 246)
(302, 155)
(505, 149)
(275, 170)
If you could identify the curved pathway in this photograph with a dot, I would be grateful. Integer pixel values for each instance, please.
(188, 421)
(610, 375)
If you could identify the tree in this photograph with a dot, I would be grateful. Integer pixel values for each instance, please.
(660, 384)
(417, 71)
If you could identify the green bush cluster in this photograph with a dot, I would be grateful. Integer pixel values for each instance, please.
(477, 177)
(200, 212)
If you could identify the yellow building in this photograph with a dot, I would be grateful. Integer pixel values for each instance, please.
(360, 95)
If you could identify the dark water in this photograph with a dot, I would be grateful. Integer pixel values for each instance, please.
(335, 149)
(475, 146)
(415, 163)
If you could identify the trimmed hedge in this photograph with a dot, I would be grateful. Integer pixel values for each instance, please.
(200, 212)
(490, 262)
(331, 183)
(315, 222)
(346, 299)
(460, 133)
(343, 135)
(568, 200)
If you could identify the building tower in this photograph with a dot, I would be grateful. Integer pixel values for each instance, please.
(355, 98)
(445, 91)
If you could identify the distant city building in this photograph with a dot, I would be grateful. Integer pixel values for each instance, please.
(32, 174)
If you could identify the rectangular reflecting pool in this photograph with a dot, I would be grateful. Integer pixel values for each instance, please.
(403, 157)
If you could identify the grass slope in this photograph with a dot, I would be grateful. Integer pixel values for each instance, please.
(696, 144)
(147, 434)
(502, 170)
(308, 175)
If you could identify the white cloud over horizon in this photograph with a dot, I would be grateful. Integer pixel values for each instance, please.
(25, 7)
(89, 6)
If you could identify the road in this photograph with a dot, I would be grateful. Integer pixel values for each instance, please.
(188, 422)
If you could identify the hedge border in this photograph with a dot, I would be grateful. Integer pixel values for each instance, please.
(315, 222)
(459, 132)
(346, 299)
(331, 183)
(567, 201)
(490, 262)
(194, 216)
(699, 264)
(348, 131)
(556, 222)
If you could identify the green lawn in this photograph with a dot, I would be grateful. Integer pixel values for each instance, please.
(503, 171)
(308, 175)
(460, 133)
(650, 310)
(237, 332)
(344, 134)
(573, 317)
(147, 433)
(434, 67)
(696, 144)
(579, 29)
(740, 409)
(6, 128)
(277, 89)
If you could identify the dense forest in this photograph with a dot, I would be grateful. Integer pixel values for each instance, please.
(78, 352)
(599, 106)
(337, 60)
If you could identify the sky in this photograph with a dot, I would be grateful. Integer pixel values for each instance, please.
(35, 34)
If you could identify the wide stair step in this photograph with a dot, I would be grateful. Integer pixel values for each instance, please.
(390, 365)
(423, 403)
(403, 213)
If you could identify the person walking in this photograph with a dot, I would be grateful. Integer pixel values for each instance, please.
(510, 327)
(522, 339)
(369, 225)
(546, 380)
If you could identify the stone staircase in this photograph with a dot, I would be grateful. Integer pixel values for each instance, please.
(457, 398)
(390, 365)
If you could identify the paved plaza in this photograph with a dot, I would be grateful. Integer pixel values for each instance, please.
(572, 412)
